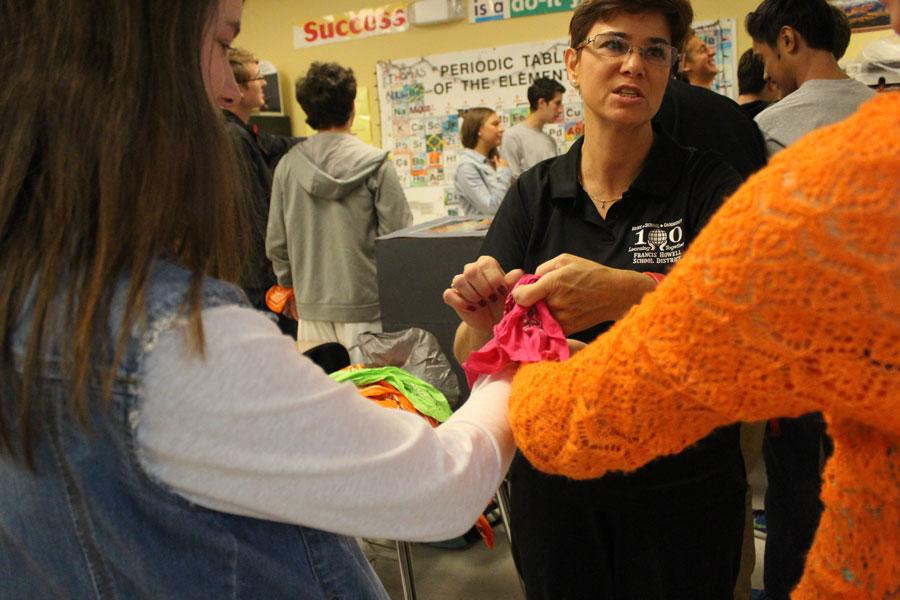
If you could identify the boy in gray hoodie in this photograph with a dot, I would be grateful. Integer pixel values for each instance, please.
(332, 195)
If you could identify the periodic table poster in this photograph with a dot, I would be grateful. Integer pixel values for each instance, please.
(422, 100)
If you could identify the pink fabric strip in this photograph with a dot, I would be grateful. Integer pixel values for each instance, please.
(522, 335)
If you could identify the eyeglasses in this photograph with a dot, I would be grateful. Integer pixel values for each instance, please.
(613, 46)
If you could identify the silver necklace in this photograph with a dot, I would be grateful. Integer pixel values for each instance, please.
(604, 204)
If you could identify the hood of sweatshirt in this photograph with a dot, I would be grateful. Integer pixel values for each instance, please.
(331, 165)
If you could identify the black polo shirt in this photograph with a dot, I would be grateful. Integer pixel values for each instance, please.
(547, 213)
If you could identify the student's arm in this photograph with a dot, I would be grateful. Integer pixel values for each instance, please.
(469, 339)
(256, 429)
(391, 207)
(784, 305)
(276, 233)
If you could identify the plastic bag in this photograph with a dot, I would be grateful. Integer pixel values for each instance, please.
(414, 350)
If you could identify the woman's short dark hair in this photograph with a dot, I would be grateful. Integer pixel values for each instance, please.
(812, 19)
(678, 13)
(326, 94)
(473, 119)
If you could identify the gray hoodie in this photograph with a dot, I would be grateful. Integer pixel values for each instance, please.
(332, 195)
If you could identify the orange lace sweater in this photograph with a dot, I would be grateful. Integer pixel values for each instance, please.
(788, 302)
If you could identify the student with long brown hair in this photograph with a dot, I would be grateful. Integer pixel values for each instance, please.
(482, 176)
(158, 438)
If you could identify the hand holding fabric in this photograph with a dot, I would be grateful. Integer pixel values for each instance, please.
(581, 293)
(523, 335)
(478, 293)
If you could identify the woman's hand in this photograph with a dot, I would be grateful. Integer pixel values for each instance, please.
(479, 292)
(581, 293)
(499, 162)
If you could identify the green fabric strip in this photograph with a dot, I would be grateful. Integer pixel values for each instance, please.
(427, 399)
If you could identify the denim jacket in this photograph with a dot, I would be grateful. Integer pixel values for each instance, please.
(91, 523)
(479, 187)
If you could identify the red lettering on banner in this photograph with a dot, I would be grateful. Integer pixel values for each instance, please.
(311, 33)
(353, 24)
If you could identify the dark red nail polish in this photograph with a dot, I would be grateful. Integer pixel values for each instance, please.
(471, 308)
(502, 289)
(482, 303)
(493, 297)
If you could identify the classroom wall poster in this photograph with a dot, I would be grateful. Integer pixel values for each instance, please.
(422, 100)
(721, 34)
(351, 25)
(492, 10)
(865, 14)
(481, 11)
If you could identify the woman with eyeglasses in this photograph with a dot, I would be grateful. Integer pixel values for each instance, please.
(628, 197)
(785, 305)
(159, 438)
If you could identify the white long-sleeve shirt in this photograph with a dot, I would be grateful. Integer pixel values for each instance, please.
(257, 429)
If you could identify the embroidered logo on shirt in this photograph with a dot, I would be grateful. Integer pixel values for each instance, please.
(657, 243)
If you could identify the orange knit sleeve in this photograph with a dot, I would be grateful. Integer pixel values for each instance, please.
(788, 302)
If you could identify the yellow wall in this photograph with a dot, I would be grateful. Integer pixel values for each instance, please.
(266, 31)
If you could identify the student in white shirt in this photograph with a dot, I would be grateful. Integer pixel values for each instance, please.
(159, 438)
